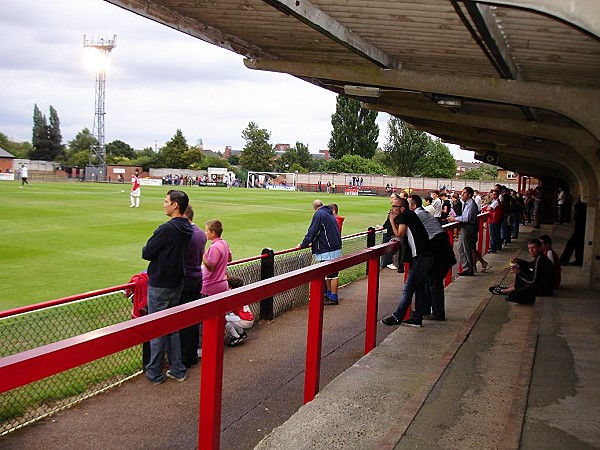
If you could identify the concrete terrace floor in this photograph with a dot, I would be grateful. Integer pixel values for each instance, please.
(494, 375)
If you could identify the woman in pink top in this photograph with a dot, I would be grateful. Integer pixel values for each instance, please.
(215, 259)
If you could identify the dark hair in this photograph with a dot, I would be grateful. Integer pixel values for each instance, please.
(469, 190)
(189, 212)
(215, 226)
(535, 242)
(403, 202)
(416, 199)
(546, 239)
(334, 207)
(180, 198)
(235, 282)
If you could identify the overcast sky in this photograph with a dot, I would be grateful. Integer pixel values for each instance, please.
(159, 80)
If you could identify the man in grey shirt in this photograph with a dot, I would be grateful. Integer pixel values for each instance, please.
(468, 232)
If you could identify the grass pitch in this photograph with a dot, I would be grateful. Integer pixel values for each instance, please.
(61, 239)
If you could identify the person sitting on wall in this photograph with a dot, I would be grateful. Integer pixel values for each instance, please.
(531, 278)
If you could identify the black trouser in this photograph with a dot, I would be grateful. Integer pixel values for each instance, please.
(574, 244)
(190, 336)
(524, 292)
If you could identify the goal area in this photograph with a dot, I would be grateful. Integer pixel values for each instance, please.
(282, 181)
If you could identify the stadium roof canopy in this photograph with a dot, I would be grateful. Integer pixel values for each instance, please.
(517, 81)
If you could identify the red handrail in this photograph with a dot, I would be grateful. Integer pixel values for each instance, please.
(35, 364)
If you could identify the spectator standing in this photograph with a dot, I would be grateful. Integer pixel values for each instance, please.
(323, 236)
(537, 207)
(468, 232)
(443, 260)
(561, 199)
(338, 218)
(192, 289)
(577, 240)
(238, 320)
(406, 223)
(215, 259)
(136, 191)
(477, 198)
(166, 251)
(437, 204)
(495, 221)
(446, 208)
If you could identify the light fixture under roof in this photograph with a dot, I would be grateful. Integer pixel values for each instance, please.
(449, 102)
(362, 91)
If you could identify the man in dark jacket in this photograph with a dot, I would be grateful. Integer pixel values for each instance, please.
(323, 236)
(531, 278)
(166, 251)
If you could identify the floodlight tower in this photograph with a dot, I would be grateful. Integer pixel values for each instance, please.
(98, 152)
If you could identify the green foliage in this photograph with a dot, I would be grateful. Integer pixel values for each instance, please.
(485, 173)
(437, 162)
(173, 153)
(354, 129)
(46, 139)
(404, 147)
(78, 152)
(57, 149)
(234, 160)
(355, 164)
(147, 158)
(257, 153)
(118, 148)
(210, 161)
(295, 158)
(17, 149)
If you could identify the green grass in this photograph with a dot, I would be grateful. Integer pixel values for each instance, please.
(61, 239)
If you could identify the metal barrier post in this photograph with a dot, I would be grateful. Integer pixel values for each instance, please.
(211, 383)
(448, 278)
(480, 235)
(370, 243)
(487, 235)
(267, 270)
(372, 304)
(314, 340)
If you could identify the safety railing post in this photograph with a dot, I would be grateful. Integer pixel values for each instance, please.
(372, 304)
(480, 234)
(314, 340)
(487, 235)
(267, 270)
(448, 278)
(370, 243)
(211, 383)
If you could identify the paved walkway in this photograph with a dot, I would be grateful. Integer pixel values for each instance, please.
(469, 382)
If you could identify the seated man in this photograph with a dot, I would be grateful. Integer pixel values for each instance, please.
(531, 278)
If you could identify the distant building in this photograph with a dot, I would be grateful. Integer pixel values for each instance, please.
(463, 166)
(6, 160)
(282, 148)
(230, 152)
(326, 154)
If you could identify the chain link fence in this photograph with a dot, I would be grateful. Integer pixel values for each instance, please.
(22, 406)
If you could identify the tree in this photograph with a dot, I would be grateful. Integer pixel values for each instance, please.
(119, 148)
(354, 129)
(257, 153)
(19, 150)
(295, 158)
(77, 146)
(437, 162)
(355, 164)
(147, 158)
(404, 147)
(172, 154)
(56, 147)
(46, 139)
(485, 172)
(40, 139)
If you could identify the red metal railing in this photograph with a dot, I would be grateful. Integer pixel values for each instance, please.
(35, 364)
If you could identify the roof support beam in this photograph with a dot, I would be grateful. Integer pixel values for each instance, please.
(582, 13)
(312, 16)
(577, 103)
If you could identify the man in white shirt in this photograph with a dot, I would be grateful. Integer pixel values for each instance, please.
(24, 176)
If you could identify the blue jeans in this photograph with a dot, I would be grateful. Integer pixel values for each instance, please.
(495, 240)
(415, 284)
(160, 299)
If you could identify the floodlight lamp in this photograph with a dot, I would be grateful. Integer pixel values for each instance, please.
(362, 91)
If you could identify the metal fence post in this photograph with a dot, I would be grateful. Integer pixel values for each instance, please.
(370, 243)
(267, 270)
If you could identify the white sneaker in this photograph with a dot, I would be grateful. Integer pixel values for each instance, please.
(392, 267)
